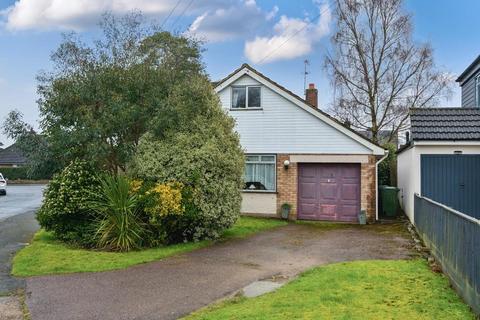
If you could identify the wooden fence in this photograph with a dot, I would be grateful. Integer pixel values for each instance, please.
(454, 239)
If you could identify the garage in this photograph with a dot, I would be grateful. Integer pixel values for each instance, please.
(452, 179)
(329, 191)
(440, 159)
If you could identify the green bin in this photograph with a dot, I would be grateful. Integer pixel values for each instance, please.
(389, 200)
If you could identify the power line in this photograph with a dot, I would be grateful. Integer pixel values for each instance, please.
(181, 14)
(293, 35)
(170, 14)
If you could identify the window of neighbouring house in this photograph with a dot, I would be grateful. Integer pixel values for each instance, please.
(477, 91)
(260, 173)
(246, 97)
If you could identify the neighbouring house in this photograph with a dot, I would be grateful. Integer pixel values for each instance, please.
(469, 81)
(12, 157)
(297, 154)
(441, 159)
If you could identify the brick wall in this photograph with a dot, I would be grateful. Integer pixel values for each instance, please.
(368, 193)
(286, 185)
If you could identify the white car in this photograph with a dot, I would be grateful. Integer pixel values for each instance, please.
(3, 185)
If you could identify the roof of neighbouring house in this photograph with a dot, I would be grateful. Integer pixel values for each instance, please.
(383, 135)
(317, 111)
(12, 156)
(445, 124)
(468, 71)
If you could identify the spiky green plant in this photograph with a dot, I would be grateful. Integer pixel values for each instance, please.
(119, 226)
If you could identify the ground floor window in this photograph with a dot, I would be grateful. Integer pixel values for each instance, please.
(260, 173)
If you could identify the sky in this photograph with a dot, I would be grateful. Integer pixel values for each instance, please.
(235, 31)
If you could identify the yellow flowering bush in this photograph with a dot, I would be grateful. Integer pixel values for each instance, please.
(167, 199)
(135, 185)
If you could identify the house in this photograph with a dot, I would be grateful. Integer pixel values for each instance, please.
(469, 82)
(441, 159)
(12, 157)
(297, 154)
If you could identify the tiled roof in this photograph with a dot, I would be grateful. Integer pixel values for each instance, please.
(12, 156)
(445, 124)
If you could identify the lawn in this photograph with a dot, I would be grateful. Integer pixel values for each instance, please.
(45, 255)
(399, 289)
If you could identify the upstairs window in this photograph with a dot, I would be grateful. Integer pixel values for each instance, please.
(248, 97)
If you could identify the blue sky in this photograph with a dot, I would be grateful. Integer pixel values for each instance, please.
(236, 31)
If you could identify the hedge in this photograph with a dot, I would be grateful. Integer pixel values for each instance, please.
(21, 173)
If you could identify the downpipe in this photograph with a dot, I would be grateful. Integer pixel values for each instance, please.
(376, 183)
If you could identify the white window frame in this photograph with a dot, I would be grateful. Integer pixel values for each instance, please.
(274, 162)
(477, 91)
(246, 98)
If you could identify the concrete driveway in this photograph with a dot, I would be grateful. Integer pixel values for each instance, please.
(175, 286)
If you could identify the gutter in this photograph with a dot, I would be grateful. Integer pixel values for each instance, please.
(376, 183)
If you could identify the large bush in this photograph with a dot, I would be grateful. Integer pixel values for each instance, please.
(65, 207)
(203, 154)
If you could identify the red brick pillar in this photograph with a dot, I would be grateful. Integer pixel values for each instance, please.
(368, 190)
(286, 185)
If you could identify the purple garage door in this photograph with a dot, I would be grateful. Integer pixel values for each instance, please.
(329, 191)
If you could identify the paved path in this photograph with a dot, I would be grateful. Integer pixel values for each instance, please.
(175, 286)
(17, 225)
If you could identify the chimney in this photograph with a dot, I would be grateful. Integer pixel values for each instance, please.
(311, 95)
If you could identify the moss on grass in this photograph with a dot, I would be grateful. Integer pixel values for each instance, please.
(46, 255)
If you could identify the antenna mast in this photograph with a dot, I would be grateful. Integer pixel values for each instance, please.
(305, 73)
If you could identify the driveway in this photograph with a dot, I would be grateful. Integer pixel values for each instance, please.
(175, 286)
(17, 226)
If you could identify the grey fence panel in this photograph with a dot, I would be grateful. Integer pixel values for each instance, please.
(454, 239)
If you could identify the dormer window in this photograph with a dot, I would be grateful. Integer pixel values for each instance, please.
(246, 97)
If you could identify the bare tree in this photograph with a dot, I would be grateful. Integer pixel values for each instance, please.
(378, 70)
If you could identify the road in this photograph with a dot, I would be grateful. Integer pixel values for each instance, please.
(17, 225)
(20, 199)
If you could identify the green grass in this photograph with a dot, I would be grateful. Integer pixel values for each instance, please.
(45, 255)
(399, 289)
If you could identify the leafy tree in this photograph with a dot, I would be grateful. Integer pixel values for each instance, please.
(378, 70)
(41, 162)
(101, 98)
(203, 154)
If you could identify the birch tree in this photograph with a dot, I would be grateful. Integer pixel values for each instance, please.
(378, 71)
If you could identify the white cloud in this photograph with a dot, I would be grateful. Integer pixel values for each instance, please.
(81, 14)
(73, 14)
(240, 18)
(292, 37)
(272, 13)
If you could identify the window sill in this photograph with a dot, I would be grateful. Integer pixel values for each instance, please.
(259, 191)
(245, 109)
